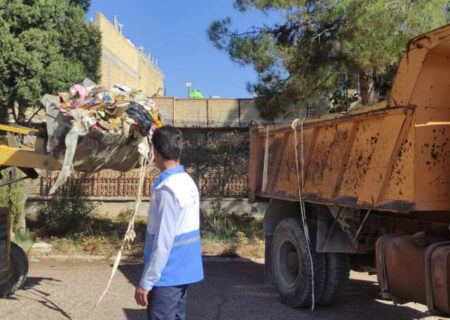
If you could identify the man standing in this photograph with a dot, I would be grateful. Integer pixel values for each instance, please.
(172, 252)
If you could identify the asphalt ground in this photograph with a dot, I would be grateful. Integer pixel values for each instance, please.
(230, 291)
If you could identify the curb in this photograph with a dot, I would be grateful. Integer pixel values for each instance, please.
(230, 259)
(96, 258)
(85, 258)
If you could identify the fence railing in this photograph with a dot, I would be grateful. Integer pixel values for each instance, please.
(122, 185)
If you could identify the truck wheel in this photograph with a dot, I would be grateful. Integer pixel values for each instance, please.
(337, 276)
(292, 267)
(18, 270)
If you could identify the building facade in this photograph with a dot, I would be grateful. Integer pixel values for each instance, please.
(122, 62)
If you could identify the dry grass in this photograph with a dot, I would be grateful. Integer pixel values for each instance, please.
(229, 235)
(253, 249)
(250, 249)
(108, 246)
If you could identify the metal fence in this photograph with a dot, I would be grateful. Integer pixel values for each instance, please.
(121, 185)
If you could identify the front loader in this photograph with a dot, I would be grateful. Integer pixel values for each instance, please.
(13, 260)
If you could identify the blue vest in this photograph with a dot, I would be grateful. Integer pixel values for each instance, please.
(184, 265)
(185, 262)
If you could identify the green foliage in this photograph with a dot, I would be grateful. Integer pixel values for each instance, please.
(340, 98)
(24, 240)
(216, 158)
(84, 4)
(302, 58)
(13, 197)
(46, 46)
(229, 227)
(65, 214)
(4, 196)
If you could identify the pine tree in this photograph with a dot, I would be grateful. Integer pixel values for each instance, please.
(303, 57)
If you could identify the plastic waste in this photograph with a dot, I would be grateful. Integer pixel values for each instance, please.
(142, 117)
(90, 128)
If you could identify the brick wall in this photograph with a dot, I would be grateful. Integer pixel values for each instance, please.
(123, 63)
(215, 113)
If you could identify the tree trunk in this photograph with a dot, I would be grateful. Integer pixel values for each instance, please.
(3, 114)
(13, 112)
(367, 86)
(17, 199)
(21, 198)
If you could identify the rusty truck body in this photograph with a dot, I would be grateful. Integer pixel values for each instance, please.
(375, 182)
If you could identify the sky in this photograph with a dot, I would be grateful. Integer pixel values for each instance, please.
(175, 33)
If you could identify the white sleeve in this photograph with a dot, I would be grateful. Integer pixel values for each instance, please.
(166, 218)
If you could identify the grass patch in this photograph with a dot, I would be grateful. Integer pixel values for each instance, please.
(253, 249)
(102, 237)
(25, 241)
(223, 234)
(232, 235)
(231, 227)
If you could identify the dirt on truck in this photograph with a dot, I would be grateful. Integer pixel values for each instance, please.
(374, 184)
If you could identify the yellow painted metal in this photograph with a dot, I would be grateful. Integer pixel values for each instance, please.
(347, 161)
(16, 157)
(391, 156)
(19, 130)
(24, 157)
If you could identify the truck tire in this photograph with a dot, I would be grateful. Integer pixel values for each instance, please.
(18, 272)
(291, 266)
(337, 277)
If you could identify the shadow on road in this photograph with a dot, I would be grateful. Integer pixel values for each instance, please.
(132, 272)
(32, 282)
(236, 290)
(34, 294)
(135, 314)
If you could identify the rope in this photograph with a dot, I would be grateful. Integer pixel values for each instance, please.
(301, 184)
(130, 234)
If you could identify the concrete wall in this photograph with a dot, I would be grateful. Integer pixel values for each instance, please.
(123, 63)
(111, 208)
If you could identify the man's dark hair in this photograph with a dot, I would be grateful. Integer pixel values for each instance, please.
(168, 141)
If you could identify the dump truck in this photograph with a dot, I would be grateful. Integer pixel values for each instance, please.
(367, 189)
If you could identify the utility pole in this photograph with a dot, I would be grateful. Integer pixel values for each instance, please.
(188, 85)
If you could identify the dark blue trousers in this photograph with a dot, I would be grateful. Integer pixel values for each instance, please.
(167, 303)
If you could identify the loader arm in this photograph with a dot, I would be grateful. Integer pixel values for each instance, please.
(26, 159)
(13, 260)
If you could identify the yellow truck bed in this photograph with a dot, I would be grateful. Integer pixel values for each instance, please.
(392, 156)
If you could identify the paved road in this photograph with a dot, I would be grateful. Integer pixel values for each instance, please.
(231, 291)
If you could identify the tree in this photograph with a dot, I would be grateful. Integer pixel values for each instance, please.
(13, 197)
(84, 4)
(46, 46)
(304, 56)
(215, 159)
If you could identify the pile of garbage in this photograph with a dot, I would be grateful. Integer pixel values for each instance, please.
(91, 128)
